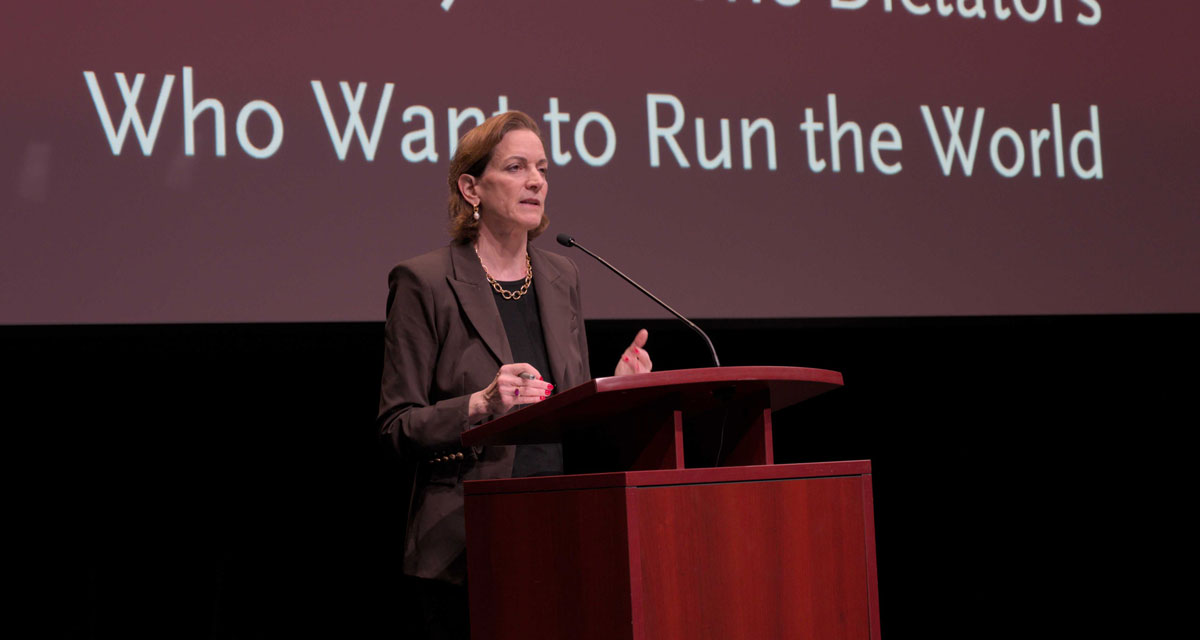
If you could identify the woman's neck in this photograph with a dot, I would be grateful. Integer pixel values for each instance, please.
(504, 256)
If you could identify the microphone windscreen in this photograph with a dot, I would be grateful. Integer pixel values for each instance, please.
(566, 240)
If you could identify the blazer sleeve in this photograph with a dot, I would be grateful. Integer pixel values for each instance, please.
(412, 411)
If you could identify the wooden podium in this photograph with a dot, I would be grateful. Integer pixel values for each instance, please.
(673, 521)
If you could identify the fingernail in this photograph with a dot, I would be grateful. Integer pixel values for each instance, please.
(549, 386)
(539, 377)
(635, 350)
(624, 358)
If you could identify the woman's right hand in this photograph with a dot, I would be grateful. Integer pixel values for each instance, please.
(514, 384)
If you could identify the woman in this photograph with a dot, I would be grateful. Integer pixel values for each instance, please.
(476, 329)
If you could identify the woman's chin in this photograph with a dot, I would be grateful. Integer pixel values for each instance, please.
(531, 220)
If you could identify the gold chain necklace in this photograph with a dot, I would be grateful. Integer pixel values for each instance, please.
(504, 293)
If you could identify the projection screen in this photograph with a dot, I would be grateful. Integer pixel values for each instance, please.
(270, 161)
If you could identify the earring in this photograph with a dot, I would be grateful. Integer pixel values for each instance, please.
(476, 214)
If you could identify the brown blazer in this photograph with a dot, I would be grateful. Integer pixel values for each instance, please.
(444, 341)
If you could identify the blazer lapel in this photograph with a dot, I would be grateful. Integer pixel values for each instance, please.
(475, 297)
(554, 309)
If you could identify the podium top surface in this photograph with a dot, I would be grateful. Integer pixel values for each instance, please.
(668, 477)
(603, 399)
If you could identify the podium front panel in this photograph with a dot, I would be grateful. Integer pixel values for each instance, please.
(783, 551)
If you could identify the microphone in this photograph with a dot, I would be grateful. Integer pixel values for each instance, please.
(567, 241)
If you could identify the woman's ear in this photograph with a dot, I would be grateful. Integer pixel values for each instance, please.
(468, 187)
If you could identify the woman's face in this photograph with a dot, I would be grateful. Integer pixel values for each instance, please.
(512, 190)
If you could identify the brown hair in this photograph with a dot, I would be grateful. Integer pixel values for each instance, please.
(472, 157)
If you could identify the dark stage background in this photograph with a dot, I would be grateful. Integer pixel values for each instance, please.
(224, 481)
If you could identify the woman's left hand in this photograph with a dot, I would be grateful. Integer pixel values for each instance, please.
(635, 359)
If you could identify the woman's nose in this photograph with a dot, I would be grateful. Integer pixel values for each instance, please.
(536, 179)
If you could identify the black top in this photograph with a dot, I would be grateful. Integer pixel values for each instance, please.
(523, 325)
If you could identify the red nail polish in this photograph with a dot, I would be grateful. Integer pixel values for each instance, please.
(549, 386)
(624, 358)
(635, 350)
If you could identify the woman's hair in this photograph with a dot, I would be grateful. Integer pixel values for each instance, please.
(472, 157)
